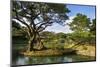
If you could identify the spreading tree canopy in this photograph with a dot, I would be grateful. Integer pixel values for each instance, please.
(36, 16)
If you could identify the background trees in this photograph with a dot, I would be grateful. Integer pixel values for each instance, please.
(93, 27)
(83, 29)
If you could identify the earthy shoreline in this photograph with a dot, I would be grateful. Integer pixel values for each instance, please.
(87, 50)
(48, 52)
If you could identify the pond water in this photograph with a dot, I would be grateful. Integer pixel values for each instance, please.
(18, 59)
(26, 60)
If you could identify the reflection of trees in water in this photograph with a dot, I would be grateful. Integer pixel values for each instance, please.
(51, 59)
(43, 60)
(16, 56)
(66, 59)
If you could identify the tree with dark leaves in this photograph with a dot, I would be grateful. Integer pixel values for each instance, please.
(36, 17)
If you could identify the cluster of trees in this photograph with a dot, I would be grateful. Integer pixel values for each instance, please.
(37, 16)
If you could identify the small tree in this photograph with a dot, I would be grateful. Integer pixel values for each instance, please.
(81, 29)
(80, 23)
(36, 17)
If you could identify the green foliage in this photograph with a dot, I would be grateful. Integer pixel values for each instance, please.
(83, 29)
(61, 35)
(80, 23)
(93, 27)
(59, 9)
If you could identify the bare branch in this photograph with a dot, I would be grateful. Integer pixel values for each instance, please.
(34, 17)
(38, 23)
(45, 24)
(29, 31)
(43, 28)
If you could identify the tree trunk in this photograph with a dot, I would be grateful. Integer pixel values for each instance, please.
(30, 45)
(35, 43)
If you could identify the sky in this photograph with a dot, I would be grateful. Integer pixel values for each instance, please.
(89, 11)
(84, 9)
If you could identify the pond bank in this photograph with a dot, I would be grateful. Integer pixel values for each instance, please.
(49, 52)
(87, 50)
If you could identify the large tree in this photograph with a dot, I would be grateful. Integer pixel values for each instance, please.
(36, 17)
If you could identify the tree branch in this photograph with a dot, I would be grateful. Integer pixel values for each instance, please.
(17, 18)
(43, 28)
(45, 24)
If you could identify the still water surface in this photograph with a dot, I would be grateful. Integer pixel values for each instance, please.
(23, 60)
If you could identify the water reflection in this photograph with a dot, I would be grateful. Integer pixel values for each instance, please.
(68, 59)
(50, 59)
(42, 60)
